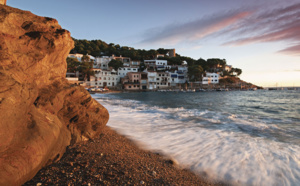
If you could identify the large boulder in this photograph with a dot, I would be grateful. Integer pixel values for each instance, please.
(40, 112)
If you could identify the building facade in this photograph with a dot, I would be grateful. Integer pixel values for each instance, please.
(79, 56)
(104, 78)
(122, 71)
(210, 78)
(135, 81)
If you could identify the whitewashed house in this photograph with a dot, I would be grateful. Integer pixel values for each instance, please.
(79, 56)
(122, 71)
(158, 80)
(104, 78)
(102, 62)
(151, 80)
(210, 78)
(155, 62)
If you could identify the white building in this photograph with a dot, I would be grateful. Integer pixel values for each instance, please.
(79, 56)
(210, 78)
(102, 62)
(155, 62)
(151, 80)
(122, 71)
(104, 78)
(158, 80)
(178, 74)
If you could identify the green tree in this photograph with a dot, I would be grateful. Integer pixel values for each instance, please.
(86, 67)
(72, 64)
(238, 71)
(195, 73)
(85, 58)
(115, 64)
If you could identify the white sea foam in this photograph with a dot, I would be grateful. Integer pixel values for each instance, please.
(221, 152)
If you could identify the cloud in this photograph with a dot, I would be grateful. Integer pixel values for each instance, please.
(243, 26)
(275, 25)
(293, 50)
(194, 30)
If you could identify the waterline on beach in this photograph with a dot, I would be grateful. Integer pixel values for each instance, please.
(239, 148)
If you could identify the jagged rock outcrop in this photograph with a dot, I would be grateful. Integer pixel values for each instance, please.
(40, 113)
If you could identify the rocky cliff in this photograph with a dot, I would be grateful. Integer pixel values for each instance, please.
(40, 113)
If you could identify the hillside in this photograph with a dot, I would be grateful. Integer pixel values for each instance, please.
(196, 68)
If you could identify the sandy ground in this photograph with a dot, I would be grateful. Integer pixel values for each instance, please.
(112, 159)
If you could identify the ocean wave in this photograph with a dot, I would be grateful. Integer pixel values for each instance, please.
(237, 148)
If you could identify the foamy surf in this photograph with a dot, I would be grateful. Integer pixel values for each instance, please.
(239, 149)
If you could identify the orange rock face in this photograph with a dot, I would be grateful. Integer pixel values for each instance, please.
(40, 113)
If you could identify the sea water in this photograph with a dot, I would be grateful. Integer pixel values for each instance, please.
(240, 137)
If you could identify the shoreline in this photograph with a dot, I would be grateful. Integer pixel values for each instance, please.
(113, 159)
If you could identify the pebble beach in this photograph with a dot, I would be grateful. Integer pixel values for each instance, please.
(112, 159)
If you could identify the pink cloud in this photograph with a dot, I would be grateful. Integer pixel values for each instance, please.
(218, 26)
(293, 50)
(195, 30)
(236, 27)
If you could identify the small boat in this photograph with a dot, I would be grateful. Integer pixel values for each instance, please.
(252, 89)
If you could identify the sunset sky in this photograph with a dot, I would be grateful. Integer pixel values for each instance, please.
(260, 37)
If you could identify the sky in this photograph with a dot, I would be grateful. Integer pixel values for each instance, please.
(260, 37)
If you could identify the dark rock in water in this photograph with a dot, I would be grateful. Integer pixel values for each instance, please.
(40, 113)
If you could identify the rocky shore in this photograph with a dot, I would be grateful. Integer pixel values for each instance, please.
(112, 159)
(54, 133)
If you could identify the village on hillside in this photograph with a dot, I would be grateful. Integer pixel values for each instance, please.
(122, 73)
